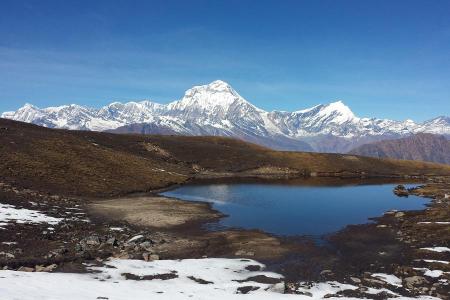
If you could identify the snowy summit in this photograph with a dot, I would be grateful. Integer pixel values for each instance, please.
(217, 109)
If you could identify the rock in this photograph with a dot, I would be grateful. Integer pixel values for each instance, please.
(404, 271)
(244, 253)
(154, 257)
(375, 281)
(401, 191)
(399, 214)
(146, 256)
(61, 251)
(79, 247)
(146, 245)
(7, 255)
(92, 240)
(122, 255)
(50, 268)
(326, 272)
(150, 257)
(25, 269)
(39, 268)
(355, 279)
(412, 281)
(112, 241)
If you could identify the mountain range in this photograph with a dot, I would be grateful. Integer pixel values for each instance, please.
(216, 109)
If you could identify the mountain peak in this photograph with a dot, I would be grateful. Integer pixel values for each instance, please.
(28, 106)
(338, 110)
(219, 85)
(338, 105)
(215, 94)
(215, 86)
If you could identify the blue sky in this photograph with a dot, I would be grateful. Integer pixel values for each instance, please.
(382, 58)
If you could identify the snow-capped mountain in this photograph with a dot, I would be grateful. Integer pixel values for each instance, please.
(217, 109)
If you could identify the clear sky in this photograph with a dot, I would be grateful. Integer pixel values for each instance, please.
(387, 59)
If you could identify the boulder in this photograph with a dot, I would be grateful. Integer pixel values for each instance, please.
(146, 245)
(401, 191)
(112, 241)
(146, 256)
(49, 268)
(413, 281)
(355, 279)
(399, 214)
(92, 240)
(25, 269)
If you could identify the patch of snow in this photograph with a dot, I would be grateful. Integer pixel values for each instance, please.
(11, 214)
(109, 283)
(202, 279)
(116, 228)
(320, 289)
(135, 238)
(436, 249)
(436, 261)
(440, 223)
(432, 273)
(390, 279)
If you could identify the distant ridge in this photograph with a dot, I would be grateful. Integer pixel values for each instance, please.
(216, 109)
(422, 146)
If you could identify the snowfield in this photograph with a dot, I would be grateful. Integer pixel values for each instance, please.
(208, 278)
(11, 214)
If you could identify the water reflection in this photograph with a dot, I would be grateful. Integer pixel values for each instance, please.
(297, 208)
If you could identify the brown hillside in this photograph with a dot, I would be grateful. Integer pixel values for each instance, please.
(423, 146)
(100, 164)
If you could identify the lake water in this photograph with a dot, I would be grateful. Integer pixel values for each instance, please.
(296, 208)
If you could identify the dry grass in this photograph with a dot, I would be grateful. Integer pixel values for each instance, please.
(103, 164)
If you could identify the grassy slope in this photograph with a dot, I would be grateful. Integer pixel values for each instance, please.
(98, 164)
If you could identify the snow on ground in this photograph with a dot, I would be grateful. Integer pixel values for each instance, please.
(211, 278)
(9, 243)
(437, 249)
(116, 228)
(436, 261)
(320, 289)
(11, 214)
(135, 238)
(204, 279)
(390, 279)
(432, 273)
(439, 223)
